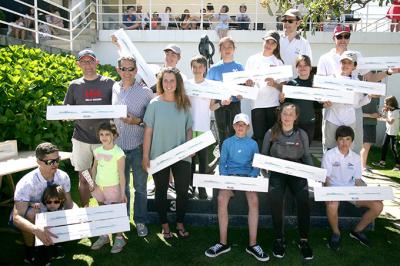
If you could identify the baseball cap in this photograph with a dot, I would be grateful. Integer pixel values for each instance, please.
(350, 55)
(271, 35)
(174, 48)
(292, 13)
(241, 118)
(339, 29)
(86, 52)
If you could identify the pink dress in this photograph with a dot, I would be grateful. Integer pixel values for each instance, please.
(394, 10)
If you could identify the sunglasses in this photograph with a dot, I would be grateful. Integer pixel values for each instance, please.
(52, 161)
(171, 70)
(290, 21)
(341, 36)
(127, 68)
(53, 201)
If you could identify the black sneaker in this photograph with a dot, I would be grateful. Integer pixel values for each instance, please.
(29, 255)
(334, 242)
(257, 252)
(217, 250)
(42, 256)
(203, 193)
(56, 252)
(361, 237)
(278, 249)
(306, 250)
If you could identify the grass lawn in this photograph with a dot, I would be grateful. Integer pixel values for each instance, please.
(375, 155)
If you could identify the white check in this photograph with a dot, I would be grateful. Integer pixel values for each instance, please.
(74, 112)
(352, 85)
(317, 94)
(128, 48)
(182, 151)
(257, 184)
(278, 72)
(84, 222)
(211, 90)
(352, 193)
(289, 168)
(246, 92)
(378, 63)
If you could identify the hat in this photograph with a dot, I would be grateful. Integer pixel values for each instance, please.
(339, 29)
(292, 13)
(241, 118)
(174, 48)
(350, 55)
(271, 35)
(86, 52)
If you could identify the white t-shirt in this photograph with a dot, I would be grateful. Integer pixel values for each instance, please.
(267, 96)
(291, 50)
(393, 129)
(32, 185)
(200, 109)
(341, 170)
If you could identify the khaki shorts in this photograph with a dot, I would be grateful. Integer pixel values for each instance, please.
(329, 134)
(82, 155)
(107, 195)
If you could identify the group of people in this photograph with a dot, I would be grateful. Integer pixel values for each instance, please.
(164, 117)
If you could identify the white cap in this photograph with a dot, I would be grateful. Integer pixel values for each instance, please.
(241, 118)
(173, 47)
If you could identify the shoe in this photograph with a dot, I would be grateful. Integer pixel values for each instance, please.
(334, 242)
(257, 252)
(379, 164)
(141, 230)
(361, 237)
(306, 250)
(56, 252)
(119, 243)
(396, 168)
(42, 257)
(202, 193)
(278, 249)
(101, 241)
(29, 255)
(217, 250)
(151, 192)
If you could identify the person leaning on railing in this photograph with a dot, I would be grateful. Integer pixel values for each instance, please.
(242, 18)
(129, 20)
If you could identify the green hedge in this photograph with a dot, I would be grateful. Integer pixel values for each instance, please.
(31, 79)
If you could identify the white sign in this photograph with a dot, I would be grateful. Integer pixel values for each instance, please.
(278, 72)
(257, 184)
(182, 151)
(73, 112)
(352, 85)
(128, 48)
(378, 63)
(317, 94)
(84, 222)
(354, 193)
(289, 168)
(210, 90)
(246, 92)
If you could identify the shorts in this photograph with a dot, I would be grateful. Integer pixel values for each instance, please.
(107, 195)
(82, 155)
(11, 219)
(329, 134)
(369, 133)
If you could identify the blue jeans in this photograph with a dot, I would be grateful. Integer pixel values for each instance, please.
(134, 161)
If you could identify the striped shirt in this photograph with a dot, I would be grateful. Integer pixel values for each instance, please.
(136, 98)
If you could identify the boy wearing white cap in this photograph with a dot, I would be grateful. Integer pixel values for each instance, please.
(236, 160)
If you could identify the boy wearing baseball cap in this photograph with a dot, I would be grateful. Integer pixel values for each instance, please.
(236, 160)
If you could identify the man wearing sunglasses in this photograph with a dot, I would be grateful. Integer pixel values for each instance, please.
(30, 190)
(292, 44)
(136, 97)
(91, 89)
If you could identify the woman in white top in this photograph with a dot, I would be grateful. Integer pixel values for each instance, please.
(263, 108)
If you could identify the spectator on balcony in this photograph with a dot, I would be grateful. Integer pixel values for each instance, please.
(394, 15)
(16, 32)
(129, 19)
(165, 18)
(187, 22)
(142, 17)
(223, 19)
(155, 21)
(55, 19)
(207, 17)
(242, 18)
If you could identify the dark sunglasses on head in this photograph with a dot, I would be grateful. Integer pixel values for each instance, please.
(51, 162)
(290, 21)
(341, 36)
(53, 201)
(127, 68)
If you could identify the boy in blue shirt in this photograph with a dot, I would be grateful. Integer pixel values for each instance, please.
(236, 160)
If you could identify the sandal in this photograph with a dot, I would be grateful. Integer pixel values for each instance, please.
(182, 233)
(167, 235)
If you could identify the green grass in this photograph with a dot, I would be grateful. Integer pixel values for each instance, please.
(375, 155)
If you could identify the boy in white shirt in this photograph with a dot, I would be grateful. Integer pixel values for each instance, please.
(344, 169)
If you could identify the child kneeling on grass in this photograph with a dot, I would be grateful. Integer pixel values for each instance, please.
(109, 178)
(344, 169)
(236, 160)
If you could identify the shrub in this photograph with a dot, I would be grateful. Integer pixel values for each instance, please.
(31, 79)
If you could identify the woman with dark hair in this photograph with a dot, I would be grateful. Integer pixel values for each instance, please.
(286, 141)
(168, 124)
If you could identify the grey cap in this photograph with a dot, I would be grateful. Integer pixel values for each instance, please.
(173, 47)
(271, 35)
(86, 52)
(350, 55)
(292, 13)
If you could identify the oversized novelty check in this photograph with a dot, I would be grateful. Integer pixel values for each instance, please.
(278, 72)
(73, 112)
(246, 92)
(289, 168)
(352, 193)
(84, 222)
(317, 94)
(343, 84)
(208, 90)
(182, 151)
(378, 63)
(257, 184)
(128, 48)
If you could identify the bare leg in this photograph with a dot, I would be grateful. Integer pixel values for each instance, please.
(84, 191)
(374, 209)
(223, 200)
(252, 201)
(29, 238)
(364, 154)
(333, 216)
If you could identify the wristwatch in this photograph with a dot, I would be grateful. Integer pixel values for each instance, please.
(387, 72)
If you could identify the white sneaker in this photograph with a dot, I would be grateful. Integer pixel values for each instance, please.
(141, 230)
(119, 243)
(100, 242)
